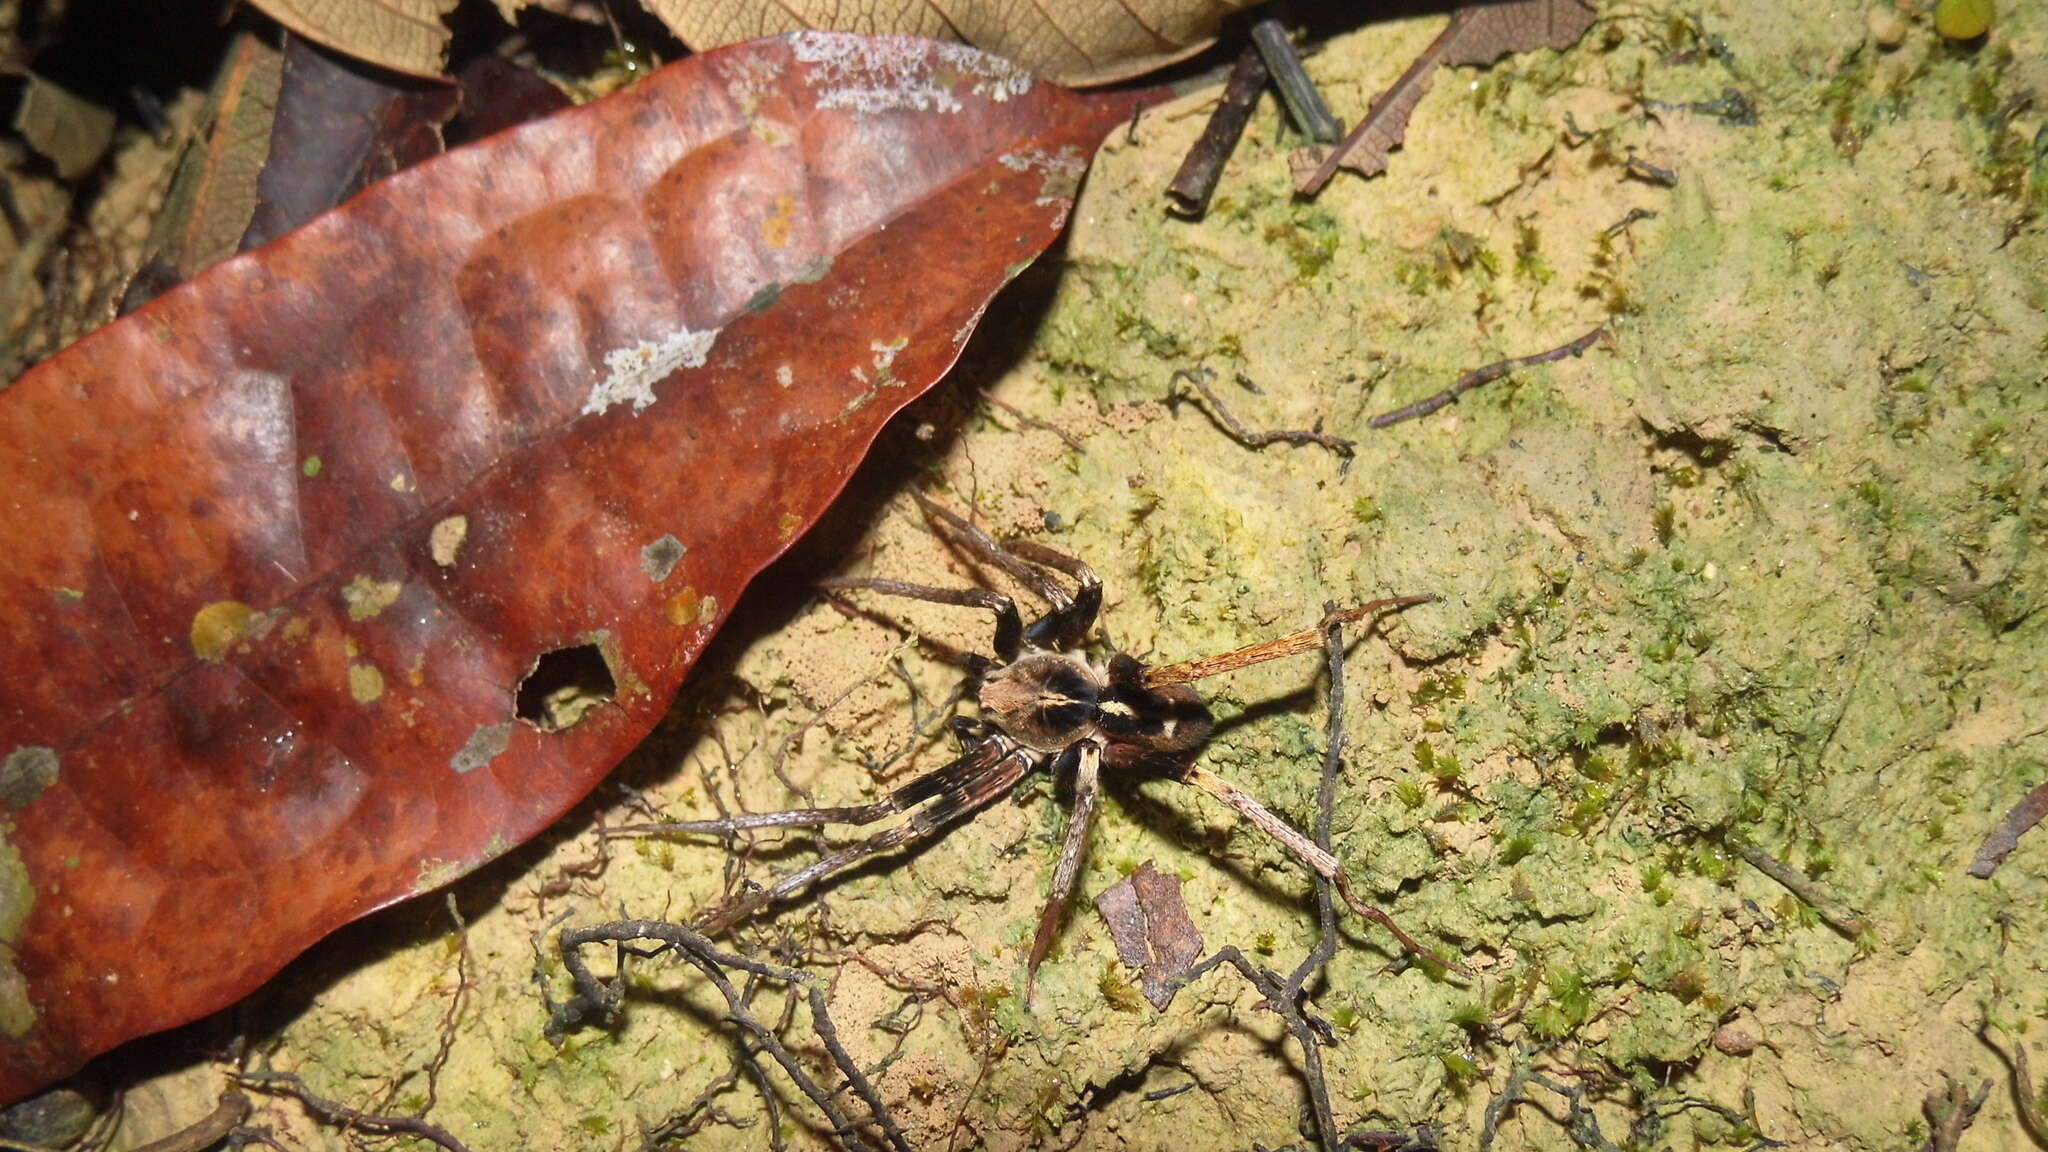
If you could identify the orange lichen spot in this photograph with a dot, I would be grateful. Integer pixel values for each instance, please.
(682, 608)
(786, 525)
(216, 628)
(776, 229)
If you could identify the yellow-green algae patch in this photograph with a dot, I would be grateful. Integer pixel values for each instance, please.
(218, 626)
(17, 900)
(365, 596)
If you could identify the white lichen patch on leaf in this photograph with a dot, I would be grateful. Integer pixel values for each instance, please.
(873, 74)
(634, 371)
(885, 357)
(484, 745)
(25, 773)
(446, 539)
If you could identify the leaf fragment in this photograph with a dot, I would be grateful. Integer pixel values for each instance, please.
(1153, 932)
(402, 35)
(1477, 34)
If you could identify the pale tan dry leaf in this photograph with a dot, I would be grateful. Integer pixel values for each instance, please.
(402, 35)
(71, 132)
(1076, 42)
(1477, 34)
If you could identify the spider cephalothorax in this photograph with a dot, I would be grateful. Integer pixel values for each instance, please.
(1051, 701)
(1045, 704)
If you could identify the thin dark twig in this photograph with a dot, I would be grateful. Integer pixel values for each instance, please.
(2024, 1092)
(1245, 436)
(1951, 1112)
(335, 1112)
(1200, 171)
(1307, 1032)
(1304, 103)
(596, 997)
(452, 1015)
(1030, 421)
(208, 1130)
(1812, 894)
(1486, 375)
(1326, 804)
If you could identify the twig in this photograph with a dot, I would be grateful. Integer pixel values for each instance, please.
(1649, 173)
(1304, 104)
(1326, 804)
(1799, 885)
(2031, 810)
(1309, 1035)
(1580, 1124)
(1030, 421)
(1247, 437)
(208, 1130)
(335, 1112)
(2023, 1090)
(1951, 1112)
(1196, 181)
(595, 997)
(1486, 375)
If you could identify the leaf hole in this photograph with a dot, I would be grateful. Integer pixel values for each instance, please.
(564, 685)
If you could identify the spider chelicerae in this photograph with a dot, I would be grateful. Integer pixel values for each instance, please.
(1045, 705)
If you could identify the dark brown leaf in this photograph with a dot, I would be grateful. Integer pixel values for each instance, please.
(356, 560)
(1149, 922)
(1477, 34)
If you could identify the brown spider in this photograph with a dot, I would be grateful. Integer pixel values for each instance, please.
(1046, 705)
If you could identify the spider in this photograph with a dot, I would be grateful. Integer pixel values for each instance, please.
(1046, 706)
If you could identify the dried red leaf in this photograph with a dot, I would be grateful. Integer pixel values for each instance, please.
(1153, 932)
(277, 551)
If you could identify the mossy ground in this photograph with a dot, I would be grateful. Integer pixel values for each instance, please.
(1765, 569)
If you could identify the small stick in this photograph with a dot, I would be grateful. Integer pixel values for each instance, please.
(1326, 802)
(1030, 421)
(1486, 375)
(2023, 1085)
(1268, 986)
(1800, 886)
(1304, 103)
(1306, 850)
(1650, 173)
(208, 1130)
(1200, 171)
(1257, 440)
(1952, 1112)
(1306, 640)
(335, 1112)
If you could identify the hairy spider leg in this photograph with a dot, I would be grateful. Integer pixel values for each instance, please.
(950, 777)
(1063, 627)
(997, 775)
(952, 527)
(1294, 643)
(1009, 625)
(1073, 853)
